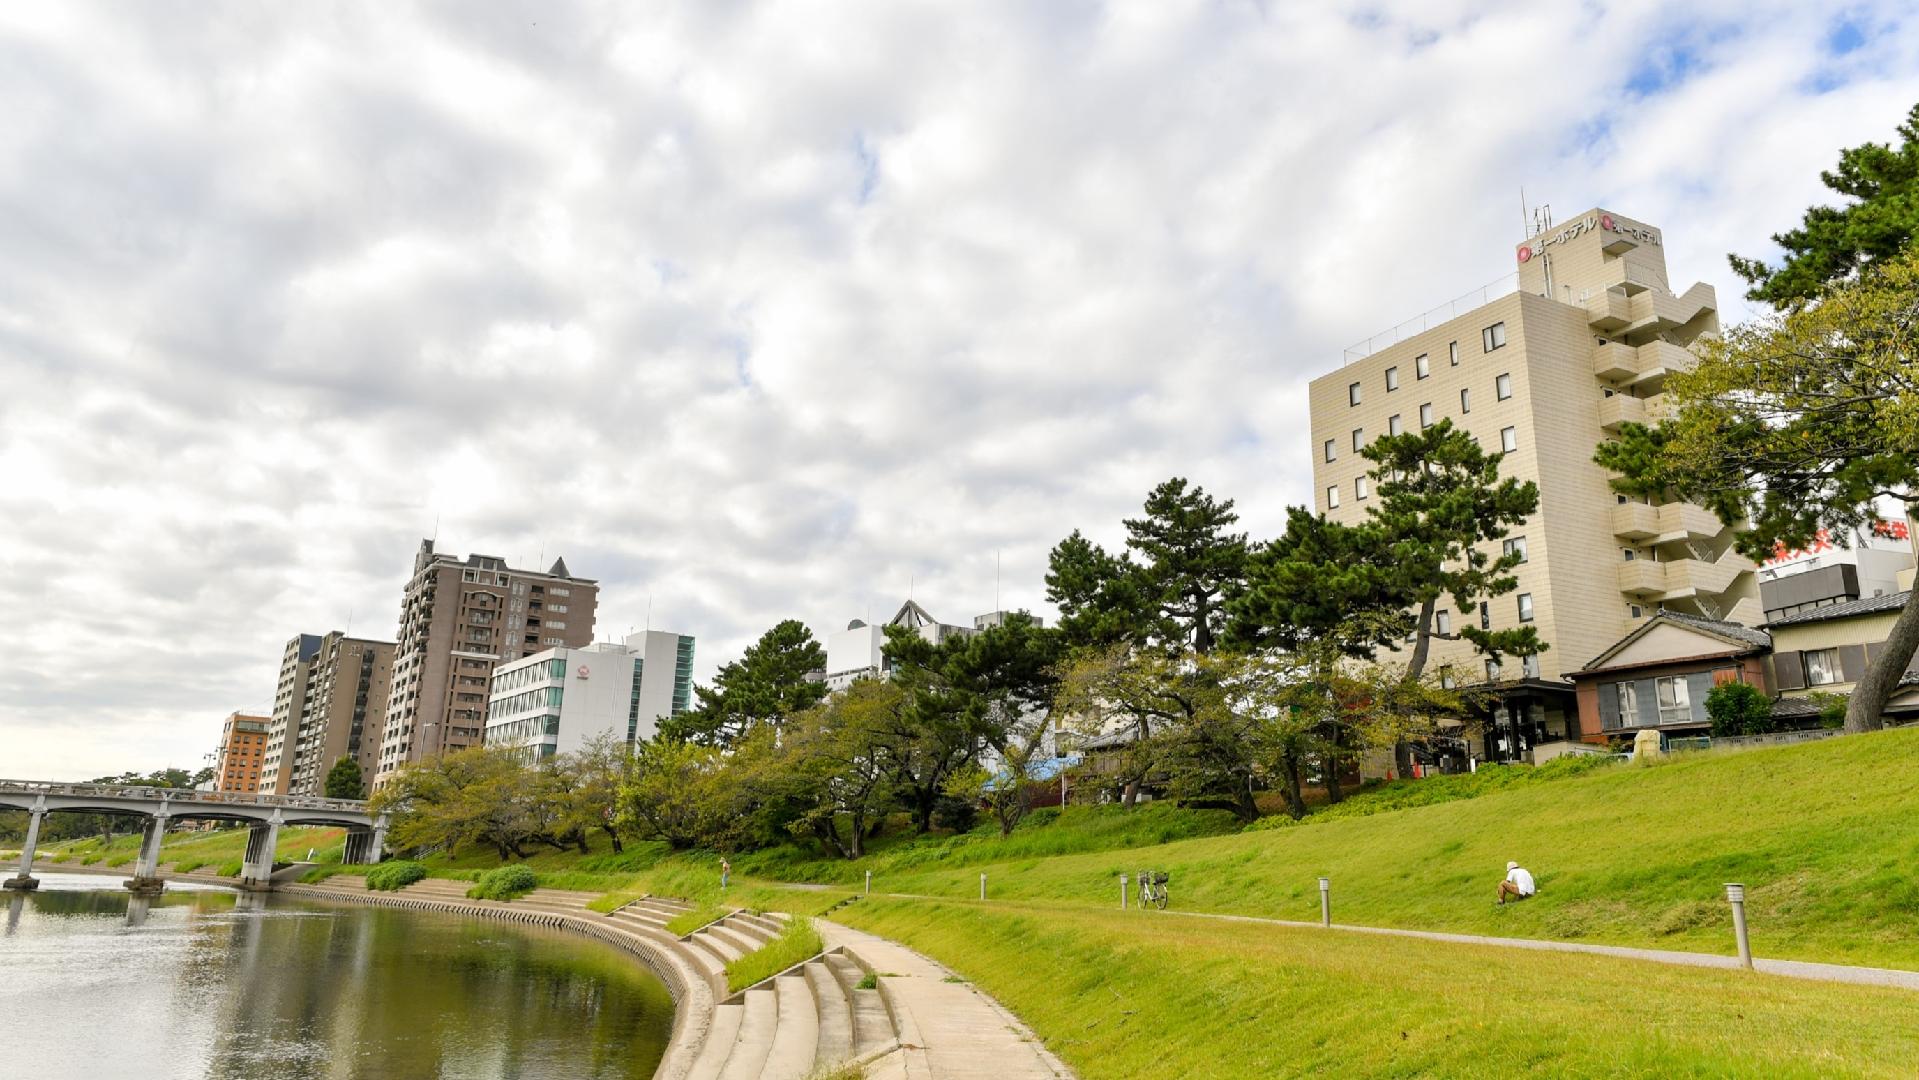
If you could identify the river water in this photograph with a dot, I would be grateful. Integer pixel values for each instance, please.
(206, 982)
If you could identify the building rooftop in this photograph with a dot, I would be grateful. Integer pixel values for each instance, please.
(1742, 637)
(1871, 605)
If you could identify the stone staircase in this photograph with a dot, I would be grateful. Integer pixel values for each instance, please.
(801, 1023)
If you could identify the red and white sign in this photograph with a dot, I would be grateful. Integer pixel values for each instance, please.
(1525, 253)
(584, 671)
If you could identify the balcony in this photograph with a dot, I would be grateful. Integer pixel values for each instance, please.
(1635, 521)
(1687, 521)
(1642, 578)
(1617, 362)
(1657, 309)
(1619, 410)
(1687, 578)
(1608, 309)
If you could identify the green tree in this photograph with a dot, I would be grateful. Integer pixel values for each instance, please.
(343, 780)
(681, 793)
(482, 795)
(833, 762)
(1797, 422)
(1308, 585)
(1738, 708)
(766, 685)
(1832, 244)
(1168, 590)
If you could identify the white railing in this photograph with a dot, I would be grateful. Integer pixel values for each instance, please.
(182, 795)
(1446, 312)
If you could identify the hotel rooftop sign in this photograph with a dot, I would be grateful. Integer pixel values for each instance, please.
(1597, 221)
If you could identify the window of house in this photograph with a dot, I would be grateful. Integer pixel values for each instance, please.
(1822, 667)
(1525, 607)
(1359, 439)
(1446, 680)
(1361, 488)
(1393, 426)
(1425, 416)
(1392, 378)
(1514, 545)
(1332, 450)
(1485, 615)
(1529, 666)
(1352, 394)
(1628, 703)
(1422, 367)
(1633, 610)
(1465, 400)
(1443, 621)
(1503, 387)
(1494, 336)
(1675, 704)
(1629, 553)
(1492, 671)
(1509, 440)
(1452, 351)
(1332, 497)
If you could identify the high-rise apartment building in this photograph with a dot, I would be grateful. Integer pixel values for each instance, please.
(330, 703)
(1581, 344)
(555, 700)
(458, 619)
(237, 766)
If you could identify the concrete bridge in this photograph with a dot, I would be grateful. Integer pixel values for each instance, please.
(365, 841)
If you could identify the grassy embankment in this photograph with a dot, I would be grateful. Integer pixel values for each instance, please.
(216, 851)
(1171, 995)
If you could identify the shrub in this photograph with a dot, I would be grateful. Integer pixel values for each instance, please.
(504, 883)
(1738, 708)
(799, 941)
(394, 876)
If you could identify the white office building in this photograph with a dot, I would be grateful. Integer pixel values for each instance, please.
(553, 701)
(858, 651)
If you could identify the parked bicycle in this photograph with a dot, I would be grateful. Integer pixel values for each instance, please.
(1152, 888)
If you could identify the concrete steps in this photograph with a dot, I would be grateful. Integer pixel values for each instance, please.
(757, 1027)
(871, 1024)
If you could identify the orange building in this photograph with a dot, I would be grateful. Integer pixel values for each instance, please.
(236, 766)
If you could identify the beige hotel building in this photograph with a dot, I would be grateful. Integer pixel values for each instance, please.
(1579, 341)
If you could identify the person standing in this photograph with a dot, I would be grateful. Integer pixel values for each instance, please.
(726, 871)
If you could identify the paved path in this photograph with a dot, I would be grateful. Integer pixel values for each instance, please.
(947, 1029)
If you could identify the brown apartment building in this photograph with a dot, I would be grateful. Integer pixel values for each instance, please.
(458, 619)
(237, 765)
(330, 703)
(1577, 342)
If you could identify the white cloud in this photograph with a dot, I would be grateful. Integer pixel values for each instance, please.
(758, 311)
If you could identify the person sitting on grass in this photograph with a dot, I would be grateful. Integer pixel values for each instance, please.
(1518, 884)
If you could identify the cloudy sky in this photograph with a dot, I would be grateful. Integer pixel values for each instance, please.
(756, 311)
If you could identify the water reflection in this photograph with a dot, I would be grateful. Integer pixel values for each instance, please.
(218, 984)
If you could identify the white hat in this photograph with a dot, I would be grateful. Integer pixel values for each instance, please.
(1512, 866)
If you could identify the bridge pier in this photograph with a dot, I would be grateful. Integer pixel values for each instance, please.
(263, 840)
(25, 879)
(146, 868)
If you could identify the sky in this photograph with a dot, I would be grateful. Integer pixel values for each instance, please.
(756, 311)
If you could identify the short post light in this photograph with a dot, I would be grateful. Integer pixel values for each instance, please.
(1122, 892)
(1325, 902)
(1736, 896)
(869, 883)
(982, 886)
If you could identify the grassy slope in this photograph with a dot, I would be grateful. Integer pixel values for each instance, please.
(1150, 995)
(1826, 837)
(209, 849)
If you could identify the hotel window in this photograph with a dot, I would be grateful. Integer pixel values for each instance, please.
(1514, 545)
(1452, 350)
(1465, 400)
(1425, 416)
(1494, 336)
(1443, 622)
(1352, 394)
(1392, 378)
(1529, 666)
(1485, 615)
(1392, 425)
(1634, 610)
(1509, 440)
(1446, 680)
(1422, 366)
(1675, 704)
(1492, 671)
(1525, 607)
(1359, 439)
(1332, 497)
(1822, 667)
(1332, 451)
(1360, 488)
(1629, 553)
(1503, 387)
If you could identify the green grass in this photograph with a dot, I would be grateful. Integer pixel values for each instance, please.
(232, 868)
(1165, 995)
(694, 918)
(1825, 836)
(798, 941)
(504, 883)
(196, 848)
(608, 902)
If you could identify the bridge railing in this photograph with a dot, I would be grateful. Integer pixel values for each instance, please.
(184, 795)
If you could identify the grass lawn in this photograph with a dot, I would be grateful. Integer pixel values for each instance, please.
(194, 849)
(1154, 995)
(1825, 836)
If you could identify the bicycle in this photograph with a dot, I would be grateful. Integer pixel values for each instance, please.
(1152, 889)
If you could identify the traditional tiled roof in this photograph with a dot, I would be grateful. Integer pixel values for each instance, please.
(1870, 605)
(1743, 637)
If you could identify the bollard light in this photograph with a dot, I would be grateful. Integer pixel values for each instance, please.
(1325, 902)
(982, 886)
(869, 883)
(1122, 892)
(1736, 896)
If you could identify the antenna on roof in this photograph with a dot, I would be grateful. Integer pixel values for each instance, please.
(348, 632)
(1525, 215)
(996, 606)
(649, 613)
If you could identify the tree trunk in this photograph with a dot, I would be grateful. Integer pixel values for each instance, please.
(1244, 807)
(1330, 762)
(1295, 799)
(1129, 794)
(1865, 710)
(1416, 667)
(613, 835)
(857, 842)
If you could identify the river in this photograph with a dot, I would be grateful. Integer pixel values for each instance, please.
(207, 982)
